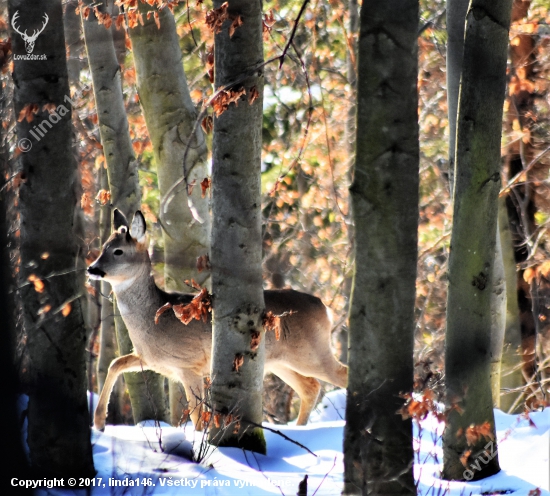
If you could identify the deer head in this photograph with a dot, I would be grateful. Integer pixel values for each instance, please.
(29, 40)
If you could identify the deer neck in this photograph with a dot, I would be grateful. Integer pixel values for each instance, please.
(138, 294)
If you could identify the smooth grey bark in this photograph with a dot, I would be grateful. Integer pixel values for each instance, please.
(146, 389)
(73, 39)
(378, 454)
(238, 302)
(498, 319)
(58, 420)
(472, 254)
(456, 19)
(351, 62)
(170, 116)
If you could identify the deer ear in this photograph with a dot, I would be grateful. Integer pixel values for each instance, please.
(119, 220)
(138, 227)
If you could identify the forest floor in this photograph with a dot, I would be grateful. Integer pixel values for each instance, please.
(151, 460)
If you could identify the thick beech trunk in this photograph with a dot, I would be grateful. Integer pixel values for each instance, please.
(58, 420)
(472, 254)
(170, 116)
(378, 454)
(146, 389)
(237, 369)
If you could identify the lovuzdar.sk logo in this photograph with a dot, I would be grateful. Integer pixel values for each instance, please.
(29, 39)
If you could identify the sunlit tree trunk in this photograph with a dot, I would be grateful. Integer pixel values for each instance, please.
(146, 389)
(58, 420)
(171, 116)
(73, 40)
(237, 369)
(378, 454)
(472, 254)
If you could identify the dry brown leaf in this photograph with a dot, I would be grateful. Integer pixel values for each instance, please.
(253, 95)
(203, 263)
(44, 309)
(255, 340)
(238, 362)
(66, 310)
(161, 310)
(28, 112)
(103, 196)
(464, 458)
(216, 17)
(37, 283)
(198, 309)
(237, 22)
(205, 185)
(207, 124)
(49, 107)
(225, 98)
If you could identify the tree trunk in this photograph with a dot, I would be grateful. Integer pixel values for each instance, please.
(498, 319)
(472, 254)
(350, 133)
(15, 465)
(511, 377)
(58, 428)
(146, 389)
(171, 116)
(456, 17)
(523, 198)
(384, 197)
(237, 368)
(73, 39)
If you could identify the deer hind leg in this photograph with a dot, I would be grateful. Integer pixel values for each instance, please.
(194, 390)
(334, 372)
(126, 363)
(307, 389)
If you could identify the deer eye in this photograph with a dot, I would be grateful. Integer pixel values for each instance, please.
(118, 252)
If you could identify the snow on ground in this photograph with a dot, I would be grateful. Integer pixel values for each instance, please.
(149, 460)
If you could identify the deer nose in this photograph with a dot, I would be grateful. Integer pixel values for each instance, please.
(95, 272)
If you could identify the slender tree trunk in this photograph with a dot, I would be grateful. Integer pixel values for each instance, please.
(472, 255)
(237, 369)
(171, 116)
(351, 63)
(521, 200)
(498, 319)
(58, 428)
(73, 39)
(384, 196)
(511, 377)
(146, 389)
(456, 18)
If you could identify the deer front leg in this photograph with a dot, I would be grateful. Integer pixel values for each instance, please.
(126, 363)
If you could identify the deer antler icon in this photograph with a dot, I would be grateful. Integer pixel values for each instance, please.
(29, 40)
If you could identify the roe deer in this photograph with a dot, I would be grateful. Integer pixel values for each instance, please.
(182, 352)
